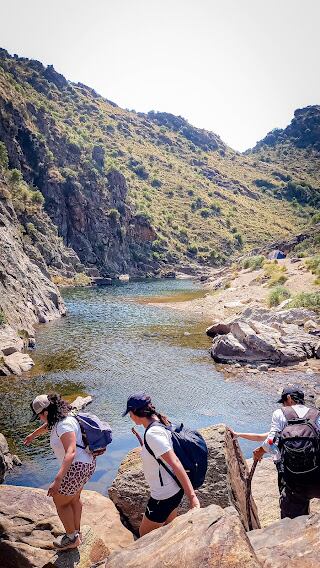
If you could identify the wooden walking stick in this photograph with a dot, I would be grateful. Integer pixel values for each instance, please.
(248, 493)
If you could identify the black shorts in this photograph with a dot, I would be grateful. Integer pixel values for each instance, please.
(159, 510)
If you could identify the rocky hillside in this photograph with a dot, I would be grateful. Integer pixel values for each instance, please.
(294, 154)
(130, 192)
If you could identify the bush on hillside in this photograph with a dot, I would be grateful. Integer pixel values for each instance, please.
(114, 214)
(310, 300)
(2, 317)
(37, 197)
(277, 295)
(253, 262)
(4, 161)
(275, 273)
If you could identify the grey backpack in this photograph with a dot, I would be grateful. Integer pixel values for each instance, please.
(299, 444)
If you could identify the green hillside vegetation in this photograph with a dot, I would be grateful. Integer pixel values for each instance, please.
(205, 201)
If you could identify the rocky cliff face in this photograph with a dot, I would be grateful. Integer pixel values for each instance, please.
(27, 294)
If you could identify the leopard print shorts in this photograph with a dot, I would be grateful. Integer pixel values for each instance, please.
(76, 477)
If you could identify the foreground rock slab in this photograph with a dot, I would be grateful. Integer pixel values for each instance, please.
(29, 523)
(290, 543)
(224, 485)
(202, 538)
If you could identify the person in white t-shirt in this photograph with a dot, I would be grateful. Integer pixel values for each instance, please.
(166, 492)
(76, 464)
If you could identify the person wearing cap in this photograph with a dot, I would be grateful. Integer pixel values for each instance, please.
(76, 464)
(294, 501)
(166, 492)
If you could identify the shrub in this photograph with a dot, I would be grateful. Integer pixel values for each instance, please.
(156, 182)
(277, 295)
(31, 230)
(313, 264)
(114, 214)
(315, 218)
(239, 239)
(37, 197)
(253, 262)
(15, 176)
(309, 300)
(4, 161)
(2, 317)
(192, 249)
(82, 279)
(275, 273)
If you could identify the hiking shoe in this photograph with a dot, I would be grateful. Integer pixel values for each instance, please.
(64, 542)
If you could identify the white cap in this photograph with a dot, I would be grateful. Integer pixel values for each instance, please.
(40, 403)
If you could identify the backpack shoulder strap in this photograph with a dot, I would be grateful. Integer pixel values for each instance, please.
(290, 413)
(160, 462)
(313, 414)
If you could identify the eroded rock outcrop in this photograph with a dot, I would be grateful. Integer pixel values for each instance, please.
(290, 543)
(224, 484)
(7, 460)
(202, 538)
(266, 336)
(29, 523)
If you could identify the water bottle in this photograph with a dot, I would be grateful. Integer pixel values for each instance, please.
(274, 450)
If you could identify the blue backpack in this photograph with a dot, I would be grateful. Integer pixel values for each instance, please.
(191, 449)
(96, 434)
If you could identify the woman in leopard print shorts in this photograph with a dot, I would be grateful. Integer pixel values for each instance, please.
(76, 464)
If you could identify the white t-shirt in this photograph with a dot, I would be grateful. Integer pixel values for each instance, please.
(159, 440)
(68, 424)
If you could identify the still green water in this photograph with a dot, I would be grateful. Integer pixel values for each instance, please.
(110, 345)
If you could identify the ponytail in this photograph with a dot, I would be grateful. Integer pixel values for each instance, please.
(150, 411)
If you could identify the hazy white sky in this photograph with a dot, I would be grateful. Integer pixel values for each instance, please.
(236, 67)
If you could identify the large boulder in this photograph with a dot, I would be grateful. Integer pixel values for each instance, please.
(29, 523)
(202, 538)
(272, 337)
(290, 543)
(225, 482)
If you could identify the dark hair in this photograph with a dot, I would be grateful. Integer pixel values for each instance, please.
(57, 409)
(149, 411)
(299, 399)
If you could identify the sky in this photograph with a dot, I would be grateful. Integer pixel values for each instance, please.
(237, 67)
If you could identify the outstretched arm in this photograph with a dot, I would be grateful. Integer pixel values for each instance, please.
(251, 436)
(38, 432)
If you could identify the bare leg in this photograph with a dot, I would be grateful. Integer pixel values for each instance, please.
(76, 505)
(148, 526)
(65, 511)
(172, 516)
